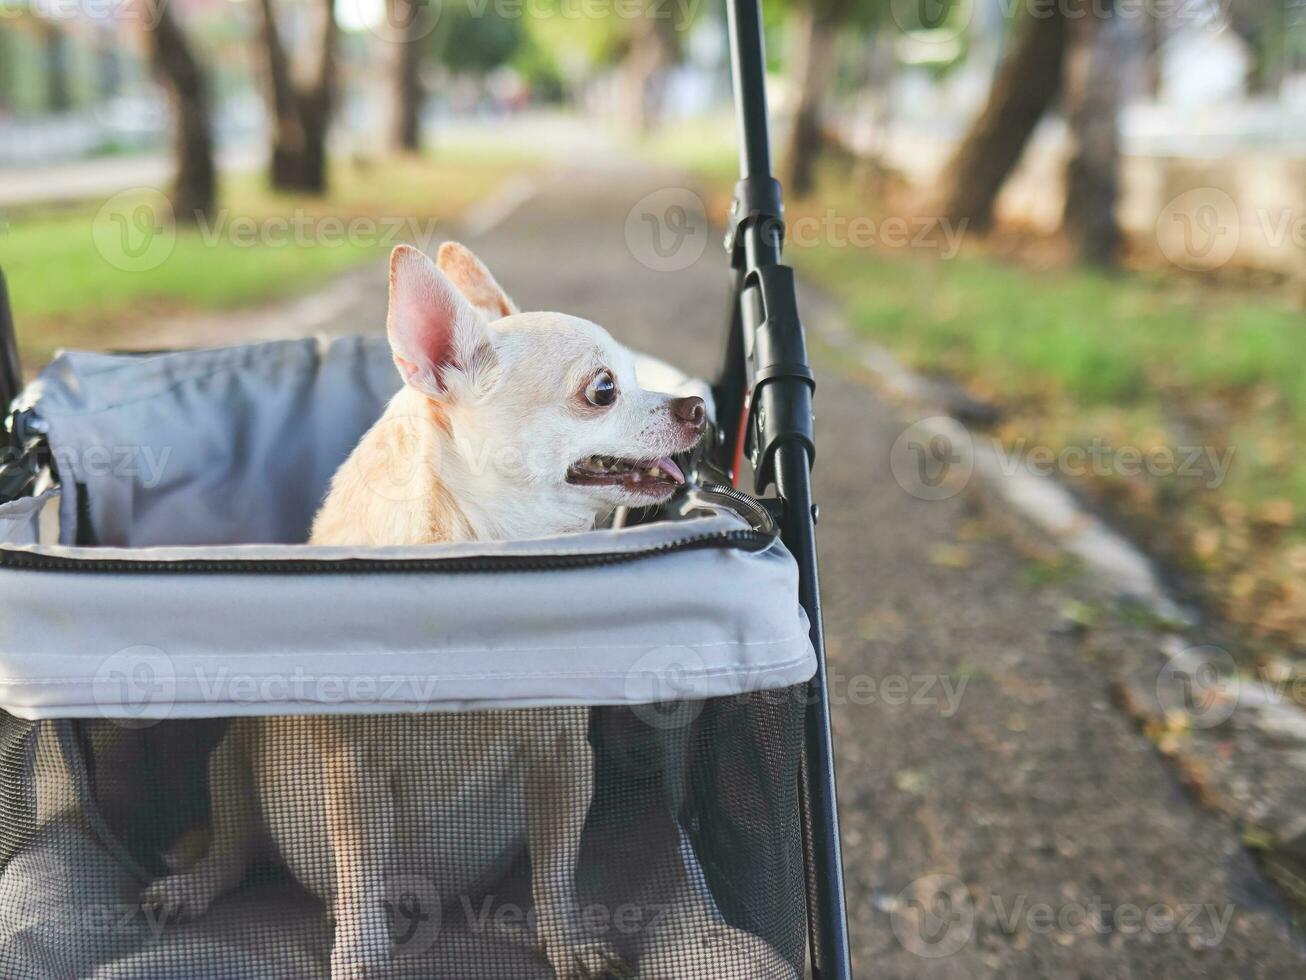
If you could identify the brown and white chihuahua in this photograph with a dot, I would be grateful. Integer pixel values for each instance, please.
(508, 425)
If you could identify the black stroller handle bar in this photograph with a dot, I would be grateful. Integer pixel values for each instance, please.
(765, 403)
(11, 375)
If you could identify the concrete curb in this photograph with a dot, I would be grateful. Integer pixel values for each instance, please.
(1043, 501)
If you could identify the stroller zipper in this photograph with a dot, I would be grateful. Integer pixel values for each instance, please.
(745, 539)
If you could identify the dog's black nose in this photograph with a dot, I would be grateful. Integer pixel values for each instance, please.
(691, 411)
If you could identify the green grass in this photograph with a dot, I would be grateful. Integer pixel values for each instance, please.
(77, 272)
(1108, 353)
(1098, 339)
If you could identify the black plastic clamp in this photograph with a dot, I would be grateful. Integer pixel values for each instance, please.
(758, 200)
(781, 380)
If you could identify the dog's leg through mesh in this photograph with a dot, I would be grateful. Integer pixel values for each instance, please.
(559, 792)
(361, 816)
(189, 893)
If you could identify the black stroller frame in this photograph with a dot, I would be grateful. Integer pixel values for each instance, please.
(764, 398)
(764, 402)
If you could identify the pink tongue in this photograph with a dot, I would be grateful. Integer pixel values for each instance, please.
(668, 466)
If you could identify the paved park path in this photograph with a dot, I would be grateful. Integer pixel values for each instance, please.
(987, 775)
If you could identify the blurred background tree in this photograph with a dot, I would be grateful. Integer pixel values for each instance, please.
(300, 102)
(194, 185)
(652, 44)
(1025, 85)
(638, 45)
(814, 29)
(1262, 24)
(1072, 55)
(406, 21)
(58, 90)
(471, 41)
(1093, 73)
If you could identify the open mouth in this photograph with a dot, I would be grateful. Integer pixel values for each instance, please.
(647, 477)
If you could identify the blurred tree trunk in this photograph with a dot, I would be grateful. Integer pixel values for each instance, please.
(812, 51)
(301, 114)
(195, 184)
(653, 50)
(1262, 24)
(407, 29)
(1026, 84)
(8, 72)
(108, 62)
(58, 92)
(1153, 40)
(1095, 64)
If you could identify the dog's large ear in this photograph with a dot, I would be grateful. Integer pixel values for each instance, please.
(431, 327)
(473, 279)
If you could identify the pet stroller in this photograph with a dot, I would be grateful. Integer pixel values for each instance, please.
(154, 592)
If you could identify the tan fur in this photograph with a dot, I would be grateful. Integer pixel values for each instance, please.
(389, 492)
(474, 281)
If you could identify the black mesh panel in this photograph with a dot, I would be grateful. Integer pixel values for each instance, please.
(407, 846)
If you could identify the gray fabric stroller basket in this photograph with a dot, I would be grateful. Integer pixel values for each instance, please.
(601, 729)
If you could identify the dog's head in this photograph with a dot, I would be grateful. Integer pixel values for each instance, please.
(541, 402)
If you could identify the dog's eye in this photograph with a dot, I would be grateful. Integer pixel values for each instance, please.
(602, 390)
